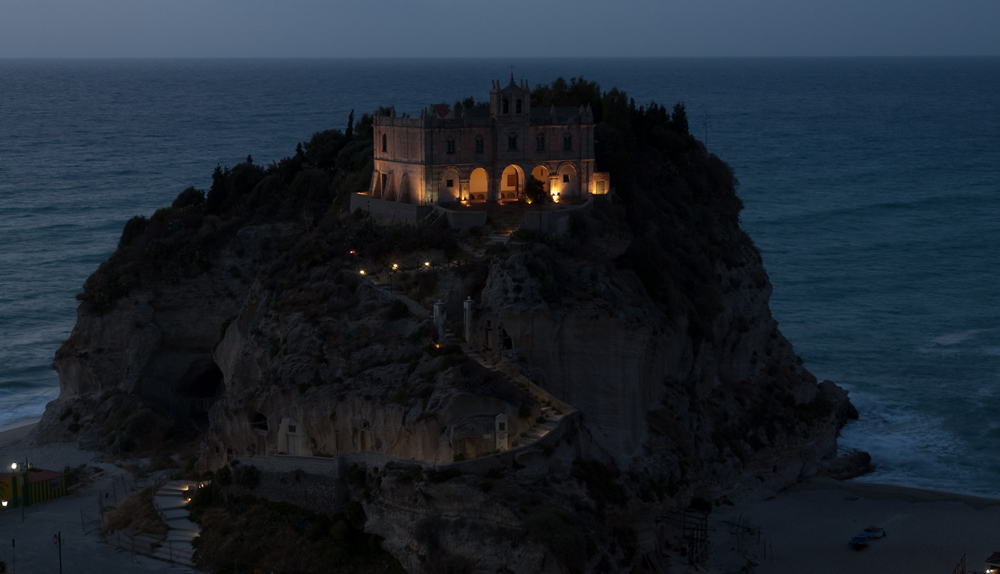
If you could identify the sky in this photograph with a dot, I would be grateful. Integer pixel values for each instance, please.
(491, 28)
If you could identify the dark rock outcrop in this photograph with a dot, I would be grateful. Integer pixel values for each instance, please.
(650, 317)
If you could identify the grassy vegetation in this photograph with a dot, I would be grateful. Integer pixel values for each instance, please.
(136, 513)
(253, 533)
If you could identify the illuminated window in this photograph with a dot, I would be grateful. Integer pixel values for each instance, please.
(512, 142)
(540, 142)
(565, 178)
(451, 146)
(479, 144)
(384, 146)
(567, 143)
(518, 107)
(450, 183)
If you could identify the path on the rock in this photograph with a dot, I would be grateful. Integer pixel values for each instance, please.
(171, 502)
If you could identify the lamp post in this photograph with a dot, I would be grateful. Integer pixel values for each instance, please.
(57, 540)
(13, 469)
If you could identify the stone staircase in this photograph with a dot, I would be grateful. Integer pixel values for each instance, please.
(171, 503)
(539, 428)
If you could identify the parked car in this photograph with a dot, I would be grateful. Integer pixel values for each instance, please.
(875, 532)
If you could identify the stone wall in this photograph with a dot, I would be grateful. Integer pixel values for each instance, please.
(389, 212)
(556, 221)
(464, 219)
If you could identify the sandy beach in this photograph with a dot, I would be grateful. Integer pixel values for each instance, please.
(52, 456)
(16, 432)
(807, 529)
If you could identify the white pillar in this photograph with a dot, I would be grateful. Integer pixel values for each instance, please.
(468, 318)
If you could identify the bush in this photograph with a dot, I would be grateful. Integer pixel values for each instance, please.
(566, 541)
(135, 512)
(397, 310)
(534, 190)
(190, 197)
(247, 476)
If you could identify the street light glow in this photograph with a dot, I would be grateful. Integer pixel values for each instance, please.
(13, 466)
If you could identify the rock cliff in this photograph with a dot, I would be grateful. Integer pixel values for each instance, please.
(244, 317)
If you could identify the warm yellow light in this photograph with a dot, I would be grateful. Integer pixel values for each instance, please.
(362, 271)
(436, 345)
(394, 266)
(427, 263)
(352, 252)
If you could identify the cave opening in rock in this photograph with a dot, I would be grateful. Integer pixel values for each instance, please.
(258, 422)
(201, 387)
(206, 384)
(508, 341)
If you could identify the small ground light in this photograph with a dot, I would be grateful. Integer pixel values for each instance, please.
(352, 252)
(427, 263)
(394, 266)
(362, 271)
(3, 502)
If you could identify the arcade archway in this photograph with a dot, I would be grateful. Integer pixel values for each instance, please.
(541, 173)
(511, 183)
(569, 182)
(479, 185)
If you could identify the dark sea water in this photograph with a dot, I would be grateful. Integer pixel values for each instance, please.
(872, 188)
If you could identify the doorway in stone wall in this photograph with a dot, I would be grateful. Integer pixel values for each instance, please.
(293, 440)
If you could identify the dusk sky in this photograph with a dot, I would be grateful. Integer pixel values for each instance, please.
(515, 28)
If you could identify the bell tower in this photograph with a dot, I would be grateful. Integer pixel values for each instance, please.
(510, 102)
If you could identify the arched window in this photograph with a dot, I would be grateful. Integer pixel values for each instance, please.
(567, 143)
(451, 145)
(518, 107)
(512, 142)
(384, 145)
(479, 144)
(506, 106)
(540, 142)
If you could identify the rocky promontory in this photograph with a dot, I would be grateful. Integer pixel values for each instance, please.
(613, 372)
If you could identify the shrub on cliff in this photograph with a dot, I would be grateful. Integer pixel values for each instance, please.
(252, 533)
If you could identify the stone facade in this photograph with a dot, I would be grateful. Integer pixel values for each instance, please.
(477, 155)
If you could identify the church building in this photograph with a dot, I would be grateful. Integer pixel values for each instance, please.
(478, 155)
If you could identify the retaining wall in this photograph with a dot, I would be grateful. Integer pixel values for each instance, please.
(389, 212)
(556, 221)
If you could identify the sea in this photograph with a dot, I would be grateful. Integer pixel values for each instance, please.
(872, 189)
